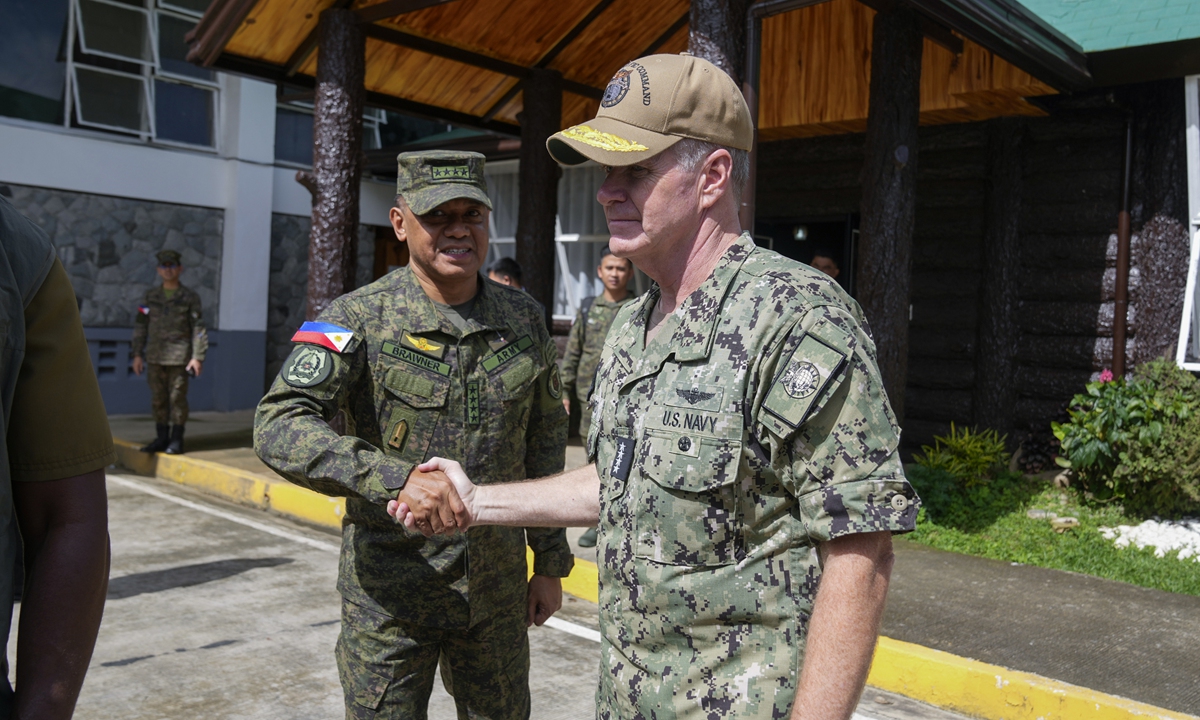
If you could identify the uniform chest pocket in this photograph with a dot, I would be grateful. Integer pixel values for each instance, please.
(686, 511)
(515, 378)
(416, 388)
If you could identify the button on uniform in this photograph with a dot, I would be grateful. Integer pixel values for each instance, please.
(899, 502)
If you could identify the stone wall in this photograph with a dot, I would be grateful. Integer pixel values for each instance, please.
(107, 245)
(289, 281)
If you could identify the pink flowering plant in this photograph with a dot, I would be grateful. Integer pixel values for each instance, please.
(1111, 418)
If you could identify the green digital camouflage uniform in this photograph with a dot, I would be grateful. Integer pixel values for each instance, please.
(413, 386)
(752, 428)
(167, 333)
(582, 356)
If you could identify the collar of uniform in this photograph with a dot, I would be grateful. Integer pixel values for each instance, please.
(698, 315)
(420, 315)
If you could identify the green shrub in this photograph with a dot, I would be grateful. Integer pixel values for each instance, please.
(971, 456)
(1137, 441)
(949, 502)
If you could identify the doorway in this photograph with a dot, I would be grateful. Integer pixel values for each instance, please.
(834, 237)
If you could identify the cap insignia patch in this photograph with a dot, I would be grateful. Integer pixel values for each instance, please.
(617, 87)
(449, 173)
(604, 141)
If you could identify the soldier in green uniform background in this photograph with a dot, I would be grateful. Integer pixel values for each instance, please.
(429, 360)
(747, 474)
(169, 343)
(586, 340)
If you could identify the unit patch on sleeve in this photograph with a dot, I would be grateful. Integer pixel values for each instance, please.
(307, 366)
(554, 383)
(808, 371)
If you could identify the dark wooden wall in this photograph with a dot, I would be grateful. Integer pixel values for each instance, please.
(1071, 164)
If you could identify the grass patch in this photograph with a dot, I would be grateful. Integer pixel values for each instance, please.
(990, 521)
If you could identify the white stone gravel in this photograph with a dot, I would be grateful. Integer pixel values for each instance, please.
(1165, 536)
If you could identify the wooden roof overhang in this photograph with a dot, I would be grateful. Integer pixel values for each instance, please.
(462, 61)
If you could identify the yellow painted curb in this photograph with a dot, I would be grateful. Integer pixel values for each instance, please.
(993, 692)
(304, 504)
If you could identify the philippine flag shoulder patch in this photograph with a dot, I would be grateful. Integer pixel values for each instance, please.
(326, 335)
(143, 309)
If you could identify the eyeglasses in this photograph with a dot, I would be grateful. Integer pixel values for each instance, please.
(169, 266)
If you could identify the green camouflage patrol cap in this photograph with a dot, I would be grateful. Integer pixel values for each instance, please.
(166, 257)
(428, 179)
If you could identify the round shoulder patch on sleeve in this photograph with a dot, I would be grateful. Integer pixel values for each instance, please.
(308, 365)
(554, 383)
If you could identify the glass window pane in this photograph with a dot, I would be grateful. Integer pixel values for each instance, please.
(115, 101)
(172, 50)
(183, 113)
(32, 62)
(196, 6)
(293, 136)
(109, 29)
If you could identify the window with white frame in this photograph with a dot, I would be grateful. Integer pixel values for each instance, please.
(294, 132)
(127, 71)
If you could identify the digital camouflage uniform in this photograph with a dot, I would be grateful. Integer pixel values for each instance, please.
(412, 386)
(752, 428)
(167, 333)
(584, 343)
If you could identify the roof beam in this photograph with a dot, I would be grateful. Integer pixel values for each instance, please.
(670, 33)
(467, 57)
(931, 29)
(392, 8)
(220, 21)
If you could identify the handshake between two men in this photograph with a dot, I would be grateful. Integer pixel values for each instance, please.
(439, 499)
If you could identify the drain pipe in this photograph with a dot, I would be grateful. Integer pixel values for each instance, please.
(1121, 304)
(755, 15)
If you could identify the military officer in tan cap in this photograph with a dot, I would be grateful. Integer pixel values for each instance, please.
(431, 359)
(747, 477)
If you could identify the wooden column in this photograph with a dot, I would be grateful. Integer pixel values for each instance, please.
(540, 118)
(337, 158)
(994, 396)
(889, 183)
(717, 33)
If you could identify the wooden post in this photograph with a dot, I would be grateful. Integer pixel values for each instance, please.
(717, 33)
(889, 183)
(538, 195)
(337, 158)
(994, 397)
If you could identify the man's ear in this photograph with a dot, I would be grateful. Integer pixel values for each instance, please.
(716, 177)
(396, 215)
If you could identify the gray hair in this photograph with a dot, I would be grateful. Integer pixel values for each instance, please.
(691, 152)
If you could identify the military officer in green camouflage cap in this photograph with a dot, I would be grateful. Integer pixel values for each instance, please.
(169, 344)
(747, 475)
(430, 360)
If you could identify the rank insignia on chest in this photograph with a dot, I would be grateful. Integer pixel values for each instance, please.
(423, 345)
(327, 335)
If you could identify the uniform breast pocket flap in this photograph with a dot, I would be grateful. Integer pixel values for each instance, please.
(416, 388)
(517, 377)
(687, 509)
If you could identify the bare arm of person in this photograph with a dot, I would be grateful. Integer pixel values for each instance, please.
(844, 625)
(64, 524)
(569, 499)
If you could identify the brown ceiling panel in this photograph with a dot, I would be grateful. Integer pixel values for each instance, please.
(519, 31)
(620, 34)
(274, 28)
(411, 75)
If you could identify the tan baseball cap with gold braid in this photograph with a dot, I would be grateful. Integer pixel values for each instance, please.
(653, 103)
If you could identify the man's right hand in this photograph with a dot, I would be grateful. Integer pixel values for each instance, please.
(431, 517)
(139, 365)
(430, 500)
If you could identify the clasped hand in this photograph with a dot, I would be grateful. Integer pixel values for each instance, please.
(436, 500)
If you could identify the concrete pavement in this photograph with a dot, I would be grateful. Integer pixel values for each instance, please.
(219, 611)
(1017, 635)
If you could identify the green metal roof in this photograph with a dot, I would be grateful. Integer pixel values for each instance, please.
(1098, 25)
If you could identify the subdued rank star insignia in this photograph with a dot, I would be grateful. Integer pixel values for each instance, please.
(693, 395)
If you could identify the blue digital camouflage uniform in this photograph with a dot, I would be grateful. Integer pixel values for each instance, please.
(413, 386)
(752, 428)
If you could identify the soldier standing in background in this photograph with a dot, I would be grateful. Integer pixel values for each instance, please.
(169, 341)
(587, 340)
(430, 359)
